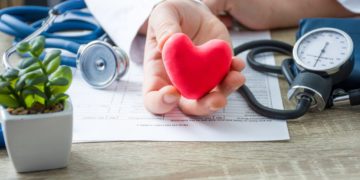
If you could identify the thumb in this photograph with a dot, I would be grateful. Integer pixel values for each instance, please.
(164, 22)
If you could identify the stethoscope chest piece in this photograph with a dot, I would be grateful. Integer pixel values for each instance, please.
(101, 64)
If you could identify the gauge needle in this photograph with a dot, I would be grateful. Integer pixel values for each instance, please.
(322, 52)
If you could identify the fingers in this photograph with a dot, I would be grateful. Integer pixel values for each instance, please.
(216, 99)
(159, 96)
(237, 64)
(204, 106)
(227, 20)
(163, 100)
(234, 79)
(231, 83)
(164, 21)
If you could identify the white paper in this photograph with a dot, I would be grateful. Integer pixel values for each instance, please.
(118, 114)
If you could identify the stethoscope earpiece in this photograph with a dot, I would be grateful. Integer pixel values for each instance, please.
(101, 64)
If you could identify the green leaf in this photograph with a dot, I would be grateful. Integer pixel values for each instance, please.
(53, 65)
(31, 75)
(8, 101)
(36, 80)
(33, 91)
(33, 67)
(50, 56)
(61, 72)
(23, 47)
(59, 81)
(37, 46)
(4, 87)
(29, 79)
(24, 63)
(4, 91)
(58, 98)
(29, 101)
(11, 74)
(33, 94)
(19, 85)
(4, 84)
(32, 100)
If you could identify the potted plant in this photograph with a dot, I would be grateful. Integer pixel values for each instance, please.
(36, 114)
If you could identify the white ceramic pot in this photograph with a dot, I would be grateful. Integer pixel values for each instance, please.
(40, 141)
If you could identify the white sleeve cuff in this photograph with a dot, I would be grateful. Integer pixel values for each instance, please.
(121, 19)
(351, 5)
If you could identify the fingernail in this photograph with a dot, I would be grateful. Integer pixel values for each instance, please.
(236, 88)
(169, 99)
(214, 109)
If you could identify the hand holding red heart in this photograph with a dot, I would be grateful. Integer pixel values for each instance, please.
(196, 70)
(201, 26)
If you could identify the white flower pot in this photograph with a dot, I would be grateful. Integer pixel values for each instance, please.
(40, 141)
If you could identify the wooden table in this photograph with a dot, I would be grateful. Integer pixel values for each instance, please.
(323, 145)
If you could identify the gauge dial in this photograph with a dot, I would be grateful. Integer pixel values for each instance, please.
(324, 50)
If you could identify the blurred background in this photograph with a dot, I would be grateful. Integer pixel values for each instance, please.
(7, 3)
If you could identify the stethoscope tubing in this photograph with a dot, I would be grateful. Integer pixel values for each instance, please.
(68, 5)
(32, 13)
(46, 26)
(18, 28)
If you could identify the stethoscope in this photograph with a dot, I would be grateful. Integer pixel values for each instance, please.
(320, 61)
(99, 61)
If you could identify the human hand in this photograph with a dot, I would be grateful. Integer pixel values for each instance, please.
(261, 15)
(196, 21)
(253, 14)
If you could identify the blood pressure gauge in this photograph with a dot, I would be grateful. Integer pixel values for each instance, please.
(324, 50)
(323, 57)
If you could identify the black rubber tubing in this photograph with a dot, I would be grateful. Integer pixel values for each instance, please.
(262, 46)
(302, 106)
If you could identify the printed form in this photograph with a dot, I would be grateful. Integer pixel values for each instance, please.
(118, 114)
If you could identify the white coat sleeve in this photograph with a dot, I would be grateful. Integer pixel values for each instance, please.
(351, 5)
(121, 20)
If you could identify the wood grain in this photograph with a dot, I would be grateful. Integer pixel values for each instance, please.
(7, 3)
(323, 146)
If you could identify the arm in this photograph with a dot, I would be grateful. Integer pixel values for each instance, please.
(269, 14)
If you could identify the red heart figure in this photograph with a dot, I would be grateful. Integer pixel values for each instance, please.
(196, 70)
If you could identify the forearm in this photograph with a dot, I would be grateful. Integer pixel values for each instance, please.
(269, 14)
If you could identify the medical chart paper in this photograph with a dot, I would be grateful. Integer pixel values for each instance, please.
(118, 114)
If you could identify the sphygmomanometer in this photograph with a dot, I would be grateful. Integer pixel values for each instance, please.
(323, 68)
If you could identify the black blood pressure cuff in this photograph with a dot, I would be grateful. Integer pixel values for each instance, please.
(349, 25)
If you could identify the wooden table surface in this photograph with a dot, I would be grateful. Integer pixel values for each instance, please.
(323, 145)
